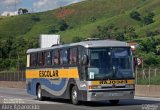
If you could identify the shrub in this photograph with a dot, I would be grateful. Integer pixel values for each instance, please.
(63, 25)
(148, 19)
(135, 15)
(92, 19)
(77, 39)
(35, 18)
(52, 29)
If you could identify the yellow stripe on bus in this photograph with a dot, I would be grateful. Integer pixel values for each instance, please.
(113, 82)
(52, 73)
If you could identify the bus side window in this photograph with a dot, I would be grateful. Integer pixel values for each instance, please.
(73, 56)
(64, 56)
(61, 57)
(48, 58)
(33, 59)
(41, 59)
(55, 57)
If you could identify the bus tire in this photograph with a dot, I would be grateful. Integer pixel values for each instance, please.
(74, 95)
(114, 102)
(39, 93)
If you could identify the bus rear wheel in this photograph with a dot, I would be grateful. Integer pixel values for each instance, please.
(74, 95)
(114, 102)
(39, 93)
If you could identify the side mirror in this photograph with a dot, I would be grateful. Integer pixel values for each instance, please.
(84, 60)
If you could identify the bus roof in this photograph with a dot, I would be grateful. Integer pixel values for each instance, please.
(86, 44)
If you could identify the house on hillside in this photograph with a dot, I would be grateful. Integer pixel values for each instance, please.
(9, 13)
(15, 13)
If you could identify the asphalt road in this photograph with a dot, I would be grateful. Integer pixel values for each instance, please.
(18, 99)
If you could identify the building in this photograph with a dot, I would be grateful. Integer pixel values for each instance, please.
(9, 13)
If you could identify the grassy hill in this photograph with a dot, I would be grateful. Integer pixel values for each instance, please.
(79, 20)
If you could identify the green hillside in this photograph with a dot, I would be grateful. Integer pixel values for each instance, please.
(91, 18)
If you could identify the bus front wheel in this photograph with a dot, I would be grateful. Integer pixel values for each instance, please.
(39, 93)
(114, 102)
(74, 95)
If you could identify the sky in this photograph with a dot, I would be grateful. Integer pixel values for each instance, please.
(33, 5)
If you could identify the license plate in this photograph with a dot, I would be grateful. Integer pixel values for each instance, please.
(113, 94)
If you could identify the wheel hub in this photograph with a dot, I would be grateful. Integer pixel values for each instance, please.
(74, 95)
(39, 93)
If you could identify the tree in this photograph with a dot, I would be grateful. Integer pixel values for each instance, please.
(106, 32)
(52, 29)
(22, 11)
(120, 36)
(151, 59)
(25, 11)
(148, 19)
(135, 15)
(151, 14)
(63, 25)
(92, 19)
(8, 46)
(158, 49)
(130, 33)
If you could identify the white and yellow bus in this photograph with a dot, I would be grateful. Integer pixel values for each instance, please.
(94, 70)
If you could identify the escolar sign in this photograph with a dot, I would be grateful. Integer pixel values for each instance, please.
(48, 73)
(52, 73)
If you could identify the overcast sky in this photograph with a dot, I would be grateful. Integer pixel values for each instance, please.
(33, 5)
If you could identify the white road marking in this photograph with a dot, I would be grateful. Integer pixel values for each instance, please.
(147, 98)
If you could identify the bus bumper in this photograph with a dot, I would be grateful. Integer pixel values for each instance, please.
(111, 95)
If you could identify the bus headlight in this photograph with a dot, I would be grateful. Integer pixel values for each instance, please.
(94, 87)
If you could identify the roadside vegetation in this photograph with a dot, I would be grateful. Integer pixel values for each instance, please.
(130, 21)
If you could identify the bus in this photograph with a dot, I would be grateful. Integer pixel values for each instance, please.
(95, 70)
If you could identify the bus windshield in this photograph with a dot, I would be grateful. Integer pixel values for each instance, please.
(110, 63)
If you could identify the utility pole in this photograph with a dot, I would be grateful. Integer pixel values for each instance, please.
(15, 7)
(18, 64)
(32, 10)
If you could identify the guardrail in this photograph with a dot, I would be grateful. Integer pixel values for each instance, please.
(147, 76)
(12, 76)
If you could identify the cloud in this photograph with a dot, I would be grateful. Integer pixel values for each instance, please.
(40, 3)
(43, 5)
(9, 2)
(7, 6)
